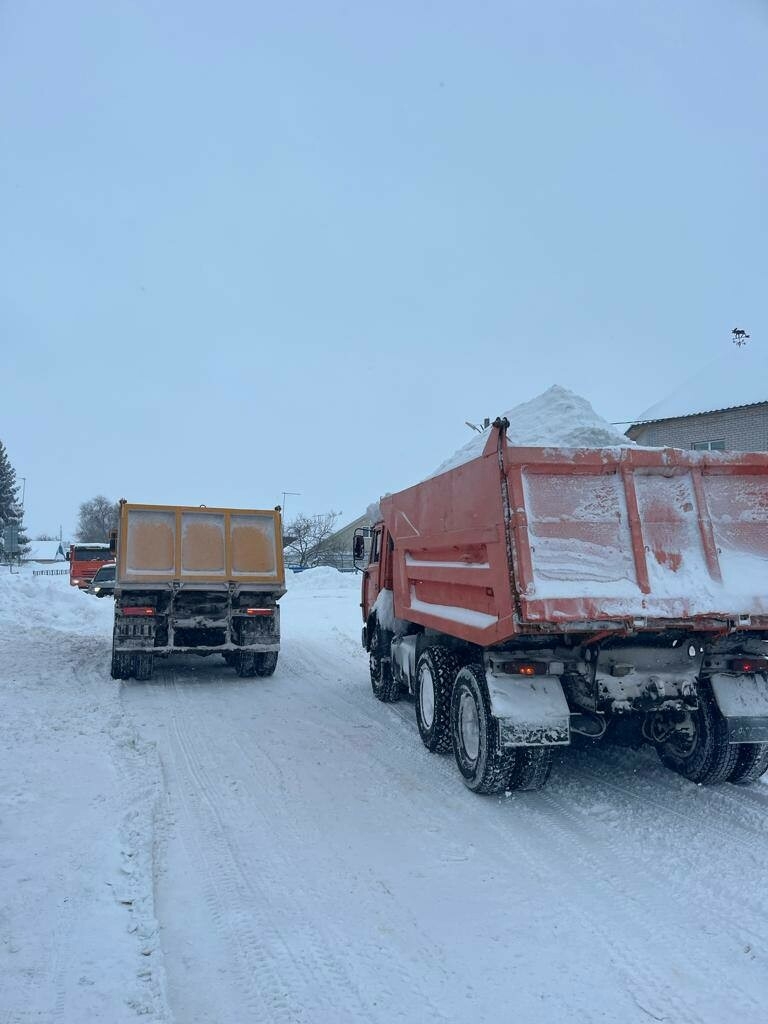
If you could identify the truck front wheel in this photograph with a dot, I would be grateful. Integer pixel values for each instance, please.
(698, 747)
(435, 672)
(384, 687)
(751, 763)
(474, 734)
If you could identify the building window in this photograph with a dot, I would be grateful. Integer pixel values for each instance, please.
(366, 531)
(709, 446)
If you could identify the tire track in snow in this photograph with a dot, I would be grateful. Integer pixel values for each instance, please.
(262, 959)
(595, 863)
(279, 968)
(263, 803)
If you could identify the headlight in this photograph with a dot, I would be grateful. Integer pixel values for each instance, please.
(96, 590)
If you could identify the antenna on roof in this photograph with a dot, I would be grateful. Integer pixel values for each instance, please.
(739, 336)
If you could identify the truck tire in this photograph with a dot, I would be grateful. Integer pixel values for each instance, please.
(384, 687)
(245, 664)
(699, 749)
(531, 769)
(266, 663)
(435, 673)
(142, 666)
(751, 763)
(121, 665)
(474, 734)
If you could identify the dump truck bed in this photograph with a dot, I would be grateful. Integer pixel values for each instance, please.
(162, 545)
(526, 540)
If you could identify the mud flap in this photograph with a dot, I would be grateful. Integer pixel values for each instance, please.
(532, 710)
(743, 703)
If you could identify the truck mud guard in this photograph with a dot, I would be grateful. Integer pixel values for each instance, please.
(743, 703)
(531, 710)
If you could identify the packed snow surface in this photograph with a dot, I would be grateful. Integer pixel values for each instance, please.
(558, 418)
(202, 848)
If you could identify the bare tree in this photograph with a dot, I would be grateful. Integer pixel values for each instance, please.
(96, 518)
(306, 536)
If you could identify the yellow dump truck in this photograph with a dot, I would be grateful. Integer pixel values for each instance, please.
(197, 580)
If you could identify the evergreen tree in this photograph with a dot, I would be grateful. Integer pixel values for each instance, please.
(11, 511)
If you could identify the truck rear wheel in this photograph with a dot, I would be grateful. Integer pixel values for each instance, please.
(698, 748)
(142, 666)
(266, 663)
(245, 663)
(531, 769)
(474, 734)
(121, 665)
(751, 763)
(384, 687)
(435, 673)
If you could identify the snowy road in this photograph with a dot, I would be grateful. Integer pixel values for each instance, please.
(307, 860)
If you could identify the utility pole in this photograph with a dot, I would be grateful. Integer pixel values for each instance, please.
(23, 490)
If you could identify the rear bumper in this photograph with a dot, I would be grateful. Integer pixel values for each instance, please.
(164, 634)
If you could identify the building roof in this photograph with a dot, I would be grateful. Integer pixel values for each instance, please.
(737, 378)
(46, 551)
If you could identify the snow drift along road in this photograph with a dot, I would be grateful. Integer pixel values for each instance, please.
(204, 848)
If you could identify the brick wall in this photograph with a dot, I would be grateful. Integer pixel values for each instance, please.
(744, 429)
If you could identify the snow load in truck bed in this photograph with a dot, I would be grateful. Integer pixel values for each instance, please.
(558, 418)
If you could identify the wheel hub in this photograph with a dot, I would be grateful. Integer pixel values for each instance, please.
(426, 696)
(469, 726)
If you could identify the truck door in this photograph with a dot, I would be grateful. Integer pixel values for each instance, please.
(372, 573)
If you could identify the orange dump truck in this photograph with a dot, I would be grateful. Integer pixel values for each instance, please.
(197, 580)
(533, 595)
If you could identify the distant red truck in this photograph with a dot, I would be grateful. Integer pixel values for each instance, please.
(85, 560)
(533, 595)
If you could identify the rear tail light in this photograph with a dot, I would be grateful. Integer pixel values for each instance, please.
(258, 611)
(138, 611)
(524, 668)
(749, 665)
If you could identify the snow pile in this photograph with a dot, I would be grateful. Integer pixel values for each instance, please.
(78, 931)
(322, 578)
(558, 418)
(50, 602)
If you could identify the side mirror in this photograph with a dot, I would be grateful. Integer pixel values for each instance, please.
(112, 542)
(358, 547)
(69, 555)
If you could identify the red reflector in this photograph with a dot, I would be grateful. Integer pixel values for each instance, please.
(749, 665)
(138, 611)
(258, 611)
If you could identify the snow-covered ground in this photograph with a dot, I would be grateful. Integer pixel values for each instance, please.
(202, 848)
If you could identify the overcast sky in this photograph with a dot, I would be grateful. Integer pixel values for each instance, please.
(254, 247)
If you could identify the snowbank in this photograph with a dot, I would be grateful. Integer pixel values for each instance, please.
(78, 931)
(50, 602)
(558, 418)
(322, 578)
